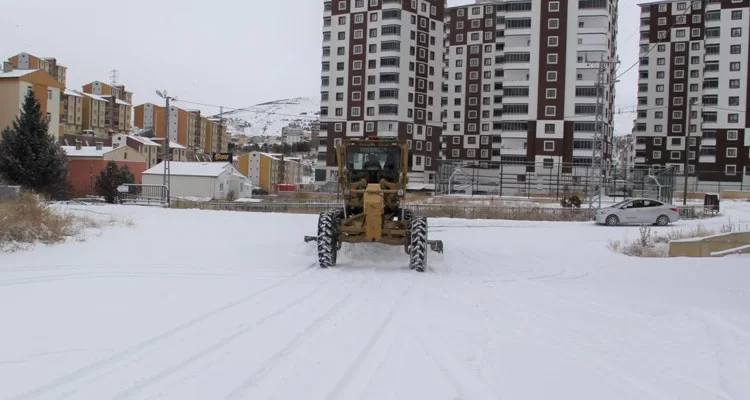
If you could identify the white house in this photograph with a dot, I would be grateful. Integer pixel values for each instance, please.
(208, 180)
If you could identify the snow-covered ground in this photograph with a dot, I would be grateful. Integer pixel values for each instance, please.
(189, 304)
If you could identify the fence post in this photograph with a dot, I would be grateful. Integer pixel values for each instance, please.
(559, 172)
(501, 178)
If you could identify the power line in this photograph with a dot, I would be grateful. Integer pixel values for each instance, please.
(668, 27)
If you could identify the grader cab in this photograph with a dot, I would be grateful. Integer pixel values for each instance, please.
(373, 178)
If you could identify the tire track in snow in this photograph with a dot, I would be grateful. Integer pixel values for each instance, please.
(141, 385)
(82, 372)
(345, 380)
(271, 363)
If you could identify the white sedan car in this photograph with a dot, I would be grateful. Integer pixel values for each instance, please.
(638, 211)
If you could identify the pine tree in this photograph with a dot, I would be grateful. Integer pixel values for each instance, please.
(110, 179)
(29, 156)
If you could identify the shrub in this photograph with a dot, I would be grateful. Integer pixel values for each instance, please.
(29, 221)
(110, 179)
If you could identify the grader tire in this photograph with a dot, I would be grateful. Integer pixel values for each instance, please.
(418, 244)
(328, 227)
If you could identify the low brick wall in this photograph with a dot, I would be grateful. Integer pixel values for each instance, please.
(703, 247)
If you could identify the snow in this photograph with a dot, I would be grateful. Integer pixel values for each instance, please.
(191, 304)
(73, 93)
(269, 118)
(96, 97)
(87, 151)
(17, 73)
(211, 169)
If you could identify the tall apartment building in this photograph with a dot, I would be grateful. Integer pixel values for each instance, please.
(520, 84)
(693, 55)
(119, 105)
(95, 109)
(71, 119)
(47, 64)
(381, 76)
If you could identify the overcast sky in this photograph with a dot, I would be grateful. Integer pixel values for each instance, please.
(224, 52)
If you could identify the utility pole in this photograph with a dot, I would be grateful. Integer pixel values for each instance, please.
(687, 151)
(221, 124)
(165, 150)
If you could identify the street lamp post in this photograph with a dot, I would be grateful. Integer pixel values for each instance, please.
(165, 150)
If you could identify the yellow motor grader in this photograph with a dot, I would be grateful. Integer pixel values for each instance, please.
(373, 175)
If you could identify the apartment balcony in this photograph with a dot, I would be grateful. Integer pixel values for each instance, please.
(513, 135)
(582, 152)
(708, 142)
(517, 32)
(512, 151)
(707, 159)
(640, 160)
(640, 146)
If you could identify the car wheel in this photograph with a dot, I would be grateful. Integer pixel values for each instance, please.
(612, 220)
(663, 220)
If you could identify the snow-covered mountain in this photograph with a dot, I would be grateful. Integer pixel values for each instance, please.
(269, 118)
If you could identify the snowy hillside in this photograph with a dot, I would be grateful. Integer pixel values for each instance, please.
(269, 118)
(232, 306)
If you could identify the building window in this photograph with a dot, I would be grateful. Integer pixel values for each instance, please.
(732, 135)
(550, 111)
(552, 58)
(730, 170)
(551, 76)
(554, 6)
(552, 41)
(549, 128)
(736, 32)
(656, 155)
(731, 152)
(553, 23)
(551, 93)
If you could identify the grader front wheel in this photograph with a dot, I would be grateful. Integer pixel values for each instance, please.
(328, 228)
(418, 244)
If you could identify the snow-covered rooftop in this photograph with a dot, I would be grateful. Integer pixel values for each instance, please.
(16, 73)
(210, 169)
(69, 92)
(172, 144)
(95, 97)
(86, 151)
(144, 140)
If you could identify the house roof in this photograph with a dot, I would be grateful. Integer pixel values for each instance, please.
(207, 169)
(69, 92)
(172, 144)
(86, 151)
(144, 140)
(95, 97)
(17, 73)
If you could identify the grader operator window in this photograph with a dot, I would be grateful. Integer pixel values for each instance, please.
(373, 163)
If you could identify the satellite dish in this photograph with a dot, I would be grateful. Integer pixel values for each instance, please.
(158, 92)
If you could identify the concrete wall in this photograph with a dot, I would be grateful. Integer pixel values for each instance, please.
(703, 247)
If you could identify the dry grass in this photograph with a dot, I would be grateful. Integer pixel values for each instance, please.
(28, 221)
(650, 244)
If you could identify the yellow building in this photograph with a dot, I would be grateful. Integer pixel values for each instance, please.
(261, 168)
(119, 113)
(71, 119)
(94, 114)
(47, 64)
(15, 84)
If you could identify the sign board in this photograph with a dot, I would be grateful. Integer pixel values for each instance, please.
(222, 157)
(123, 189)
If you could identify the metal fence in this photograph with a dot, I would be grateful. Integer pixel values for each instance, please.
(143, 194)
(469, 211)
(550, 180)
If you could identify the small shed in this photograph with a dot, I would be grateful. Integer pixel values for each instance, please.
(204, 180)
